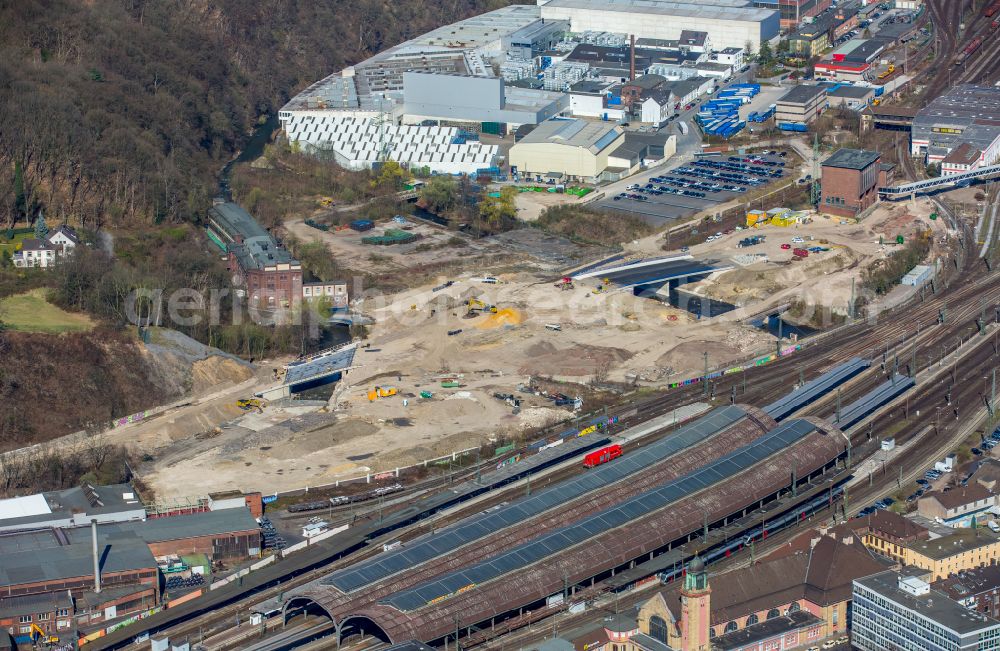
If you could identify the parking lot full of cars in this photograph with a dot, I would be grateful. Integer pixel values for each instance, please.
(701, 182)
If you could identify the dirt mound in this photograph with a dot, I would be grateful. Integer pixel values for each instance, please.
(579, 360)
(187, 366)
(508, 316)
(213, 371)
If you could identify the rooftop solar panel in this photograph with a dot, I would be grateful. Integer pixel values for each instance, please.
(473, 528)
(641, 505)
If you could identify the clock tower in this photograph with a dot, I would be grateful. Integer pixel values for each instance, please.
(696, 608)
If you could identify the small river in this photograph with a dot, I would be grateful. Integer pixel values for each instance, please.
(254, 148)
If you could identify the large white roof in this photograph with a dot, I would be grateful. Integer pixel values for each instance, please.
(24, 507)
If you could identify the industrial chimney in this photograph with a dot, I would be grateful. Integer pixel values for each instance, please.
(631, 66)
(97, 558)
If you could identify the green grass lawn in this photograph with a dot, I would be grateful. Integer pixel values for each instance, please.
(11, 245)
(30, 312)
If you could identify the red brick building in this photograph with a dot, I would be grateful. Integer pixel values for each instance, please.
(60, 560)
(227, 534)
(851, 179)
(52, 613)
(268, 273)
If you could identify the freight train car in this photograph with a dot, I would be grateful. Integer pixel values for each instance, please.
(969, 50)
(604, 455)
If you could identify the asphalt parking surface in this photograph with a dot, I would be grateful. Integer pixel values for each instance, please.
(665, 206)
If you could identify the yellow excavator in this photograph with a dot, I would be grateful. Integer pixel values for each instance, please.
(476, 304)
(249, 404)
(38, 635)
(381, 392)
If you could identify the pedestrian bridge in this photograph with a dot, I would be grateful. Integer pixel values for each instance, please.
(930, 185)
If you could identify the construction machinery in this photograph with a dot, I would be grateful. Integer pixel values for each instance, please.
(381, 392)
(888, 71)
(249, 404)
(477, 305)
(38, 635)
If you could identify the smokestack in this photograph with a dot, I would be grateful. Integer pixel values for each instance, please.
(97, 558)
(631, 66)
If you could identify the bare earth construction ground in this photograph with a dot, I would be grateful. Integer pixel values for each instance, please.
(611, 335)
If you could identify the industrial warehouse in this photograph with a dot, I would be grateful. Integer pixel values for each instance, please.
(960, 129)
(424, 102)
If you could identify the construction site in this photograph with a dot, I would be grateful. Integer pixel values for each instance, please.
(509, 344)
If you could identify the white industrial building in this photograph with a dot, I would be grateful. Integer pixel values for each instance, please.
(358, 143)
(729, 23)
(574, 148)
(472, 99)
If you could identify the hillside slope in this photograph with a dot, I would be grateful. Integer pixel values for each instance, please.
(120, 112)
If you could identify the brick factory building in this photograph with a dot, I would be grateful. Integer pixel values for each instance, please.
(851, 179)
(60, 560)
(272, 278)
(223, 535)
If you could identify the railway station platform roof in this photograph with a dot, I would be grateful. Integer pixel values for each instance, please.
(513, 578)
(855, 412)
(815, 389)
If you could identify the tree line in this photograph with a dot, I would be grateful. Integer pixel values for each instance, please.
(121, 112)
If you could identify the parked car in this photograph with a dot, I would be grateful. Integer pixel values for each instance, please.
(976, 451)
(923, 482)
(786, 246)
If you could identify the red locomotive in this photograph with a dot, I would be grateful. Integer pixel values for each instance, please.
(604, 455)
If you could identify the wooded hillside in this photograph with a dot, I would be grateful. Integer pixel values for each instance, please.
(120, 112)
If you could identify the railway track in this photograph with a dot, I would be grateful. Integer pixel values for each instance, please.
(962, 299)
(947, 16)
(932, 442)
